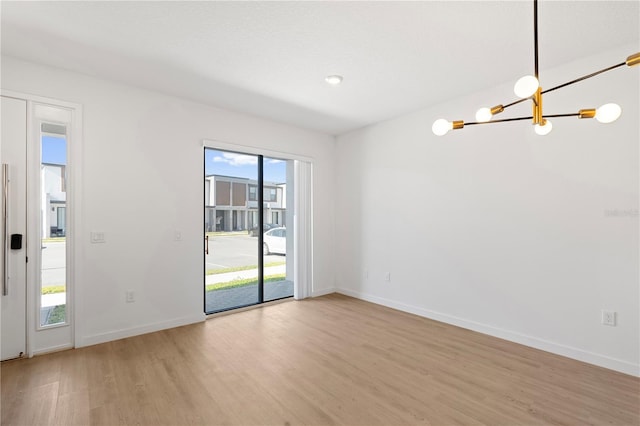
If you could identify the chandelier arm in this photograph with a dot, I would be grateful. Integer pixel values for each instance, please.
(577, 80)
(498, 121)
(516, 102)
(524, 87)
(573, 114)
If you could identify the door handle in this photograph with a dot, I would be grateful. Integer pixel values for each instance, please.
(206, 247)
(5, 199)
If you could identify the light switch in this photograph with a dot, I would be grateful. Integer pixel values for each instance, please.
(97, 237)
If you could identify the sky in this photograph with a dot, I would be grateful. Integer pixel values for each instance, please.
(54, 150)
(242, 165)
(216, 162)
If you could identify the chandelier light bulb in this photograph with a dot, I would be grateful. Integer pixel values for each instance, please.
(608, 113)
(543, 130)
(441, 127)
(483, 115)
(526, 86)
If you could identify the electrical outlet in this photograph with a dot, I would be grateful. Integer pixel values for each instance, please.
(387, 277)
(131, 296)
(609, 318)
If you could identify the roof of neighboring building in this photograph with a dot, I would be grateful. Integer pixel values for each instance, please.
(243, 178)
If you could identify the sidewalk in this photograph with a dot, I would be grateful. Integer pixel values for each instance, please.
(53, 299)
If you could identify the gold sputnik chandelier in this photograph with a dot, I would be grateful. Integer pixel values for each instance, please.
(528, 87)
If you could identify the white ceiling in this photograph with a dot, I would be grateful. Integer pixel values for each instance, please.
(270, 58)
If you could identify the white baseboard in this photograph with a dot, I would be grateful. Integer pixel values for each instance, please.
(323, 292)
(51, 349)
(523, 339)
(136, 331)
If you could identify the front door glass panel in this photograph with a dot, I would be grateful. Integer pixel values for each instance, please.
(53, 199)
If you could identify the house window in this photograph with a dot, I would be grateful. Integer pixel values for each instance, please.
(253, 193)
(239, 194)
(270, 194)
(223, 193)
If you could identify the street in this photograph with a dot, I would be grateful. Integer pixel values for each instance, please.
(226, 251)
(53, 263)
(229, 251)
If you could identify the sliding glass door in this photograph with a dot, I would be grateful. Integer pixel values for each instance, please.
(245, 222)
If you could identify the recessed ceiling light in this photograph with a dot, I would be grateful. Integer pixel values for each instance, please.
(334, 80)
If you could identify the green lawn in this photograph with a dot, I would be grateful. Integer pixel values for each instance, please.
(243, 282)
(226, 234)
(54, 240)
(52, 289)
(211, 287)
(58, 315)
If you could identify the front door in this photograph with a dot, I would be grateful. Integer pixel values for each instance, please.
(36, 225)
(14, 227)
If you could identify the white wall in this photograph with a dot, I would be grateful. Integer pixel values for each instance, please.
(140, 147)
(497, 229)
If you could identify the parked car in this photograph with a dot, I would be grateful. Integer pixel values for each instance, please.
(253, 232)
(275, 241)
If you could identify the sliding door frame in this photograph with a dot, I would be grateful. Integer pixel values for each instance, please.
(260, 191)
(302, 243)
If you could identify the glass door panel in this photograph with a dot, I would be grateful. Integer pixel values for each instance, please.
(53, 196)
(231, 231)
(278, 242)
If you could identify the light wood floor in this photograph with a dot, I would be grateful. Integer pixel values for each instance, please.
(329, 360)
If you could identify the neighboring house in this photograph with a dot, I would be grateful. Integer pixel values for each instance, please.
(54, 199)
(231, 203)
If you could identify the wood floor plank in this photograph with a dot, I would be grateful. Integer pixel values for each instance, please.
(332, 360)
